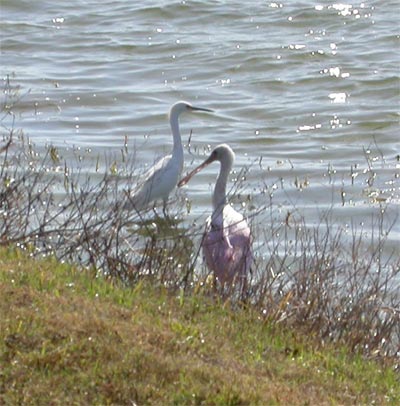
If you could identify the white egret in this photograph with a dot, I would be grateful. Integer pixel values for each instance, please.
(162, 177)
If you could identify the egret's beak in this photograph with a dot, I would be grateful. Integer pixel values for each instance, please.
(201, 109)
(189, 176)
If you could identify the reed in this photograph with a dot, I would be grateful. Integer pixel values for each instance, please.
(339, 288)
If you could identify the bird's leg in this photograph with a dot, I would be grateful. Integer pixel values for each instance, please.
(165, 208)
(243, 289)
(214, 284)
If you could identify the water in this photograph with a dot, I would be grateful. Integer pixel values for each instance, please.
(306, 94)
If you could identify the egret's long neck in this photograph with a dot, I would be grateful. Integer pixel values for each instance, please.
(219, 196)
(178, 149)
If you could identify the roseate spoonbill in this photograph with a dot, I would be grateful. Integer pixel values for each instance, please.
(162, 177)
(227, 239)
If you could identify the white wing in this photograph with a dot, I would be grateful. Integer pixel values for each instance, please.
(156, 183)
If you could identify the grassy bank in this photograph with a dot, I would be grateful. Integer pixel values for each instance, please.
(69, 338)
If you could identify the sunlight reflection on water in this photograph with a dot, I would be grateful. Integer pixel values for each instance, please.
(304, 90)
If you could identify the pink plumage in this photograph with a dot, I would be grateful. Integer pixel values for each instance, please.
(227, 239)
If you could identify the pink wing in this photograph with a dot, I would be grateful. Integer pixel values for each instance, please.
(227, 246)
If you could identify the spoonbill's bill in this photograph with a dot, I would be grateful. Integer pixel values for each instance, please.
(162, 177)
(227, 239)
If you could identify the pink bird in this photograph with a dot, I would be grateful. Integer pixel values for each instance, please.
(227, 239)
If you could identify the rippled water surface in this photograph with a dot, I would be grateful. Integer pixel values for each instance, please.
(306, 93)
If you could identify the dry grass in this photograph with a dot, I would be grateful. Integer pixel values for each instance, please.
(315, 295)
(67, 338)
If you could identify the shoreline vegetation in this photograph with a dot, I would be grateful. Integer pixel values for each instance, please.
(119, 305)
(69, 338)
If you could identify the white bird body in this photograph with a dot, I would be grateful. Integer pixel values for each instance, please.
(227, 239)
(159, 181)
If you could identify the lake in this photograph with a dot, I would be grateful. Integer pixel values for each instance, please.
(306, 93)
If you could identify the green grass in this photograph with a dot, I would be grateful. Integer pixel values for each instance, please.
(68, 338)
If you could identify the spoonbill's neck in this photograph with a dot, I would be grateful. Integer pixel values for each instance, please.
(178, 149)
(219, 196)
